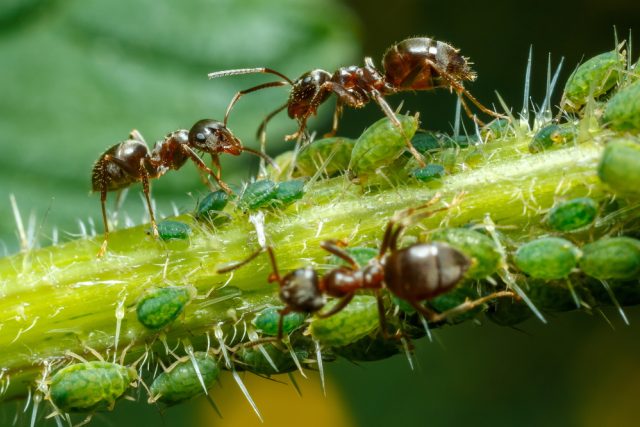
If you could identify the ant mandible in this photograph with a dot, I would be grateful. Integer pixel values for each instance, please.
(419, 63)
(131, 161)
(419, 272)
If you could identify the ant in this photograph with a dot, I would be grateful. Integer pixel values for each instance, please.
(419, 272)
(419, 63)
(131, 161)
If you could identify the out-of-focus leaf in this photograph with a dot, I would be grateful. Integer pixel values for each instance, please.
(76, 79)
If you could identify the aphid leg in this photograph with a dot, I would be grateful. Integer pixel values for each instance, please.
(337, 308)
(470, 305)
(145, 189)
(240, 94)
(200, 164)
(335, 247)
(394, 119)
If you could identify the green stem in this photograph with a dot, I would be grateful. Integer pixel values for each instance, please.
(63, 298)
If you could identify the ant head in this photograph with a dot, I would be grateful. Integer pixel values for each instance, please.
(300, 290)
(213, 137)
(303, 99)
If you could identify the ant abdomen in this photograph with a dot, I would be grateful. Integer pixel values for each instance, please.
(117, 168)
(424, 270)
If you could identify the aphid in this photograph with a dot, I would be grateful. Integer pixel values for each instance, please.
(454, 298)
(482, 250)
(611, 258)
(547, 258)
(573, 214)
(131, 161)
(556, 296)
(288, 192)
(416, 273)
(381, 143)
(368, 349)
(162, 306)
(356, 320)
(592, 79)
(267, 321)
(431, 172)
(181, 381)
(90, 386)
(212, 205)
(619, 165)
(332, 154)
(255, 361)
(173, 230)
(497, 129)
(413, 64)
(622, 112)
(553, 135)
(258, 194)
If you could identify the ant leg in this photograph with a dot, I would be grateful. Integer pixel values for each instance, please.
(338, 307)
(200, 164)
(146, 190)
(335, 247)
(384, 326)
(470, 305)
(300, 131)
(469, 113)
(103, 202)
(394, 119)
(283, 313)
(240, 94)
(337, 113)
(137, 136)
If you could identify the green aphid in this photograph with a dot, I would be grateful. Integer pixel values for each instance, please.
(553, 135)
(547, 258)
(173, 230)
(619, 165)
(181, 381)
(508, 312)
(369, 349)
(427, 142)
(448, 158)
(497, 129)
(554, 296)
(612, 258)
(592, 79)
(454, 298)
(288, 192)
(258, 194)
(162, 306)
(380, 144)
(285, 163)
(360, 254)
(267, 321)
(356, 320)
(459, 141)
(482, 250)
(315, 155)
(212, 205)
(90, 386)
(622, 112)
(431, 172)
(253, 360)
(573, 214)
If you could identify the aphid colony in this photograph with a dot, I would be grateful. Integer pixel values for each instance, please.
(374, 301)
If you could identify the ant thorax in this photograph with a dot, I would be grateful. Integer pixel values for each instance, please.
(305, 97)
(168, 153)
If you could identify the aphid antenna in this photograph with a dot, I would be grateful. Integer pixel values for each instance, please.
(524, 114)
(614, 300)
(320, 366)
(504, 272)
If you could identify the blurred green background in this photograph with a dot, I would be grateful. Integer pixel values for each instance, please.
(77, 76)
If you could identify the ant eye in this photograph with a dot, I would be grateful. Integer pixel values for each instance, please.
(200, 136)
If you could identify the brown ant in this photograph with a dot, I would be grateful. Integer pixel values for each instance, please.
(419, 272)
(420, 63)
(131, 161)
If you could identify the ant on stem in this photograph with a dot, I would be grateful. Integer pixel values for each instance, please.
(413, 64)
(131, 161)
(419, 272)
